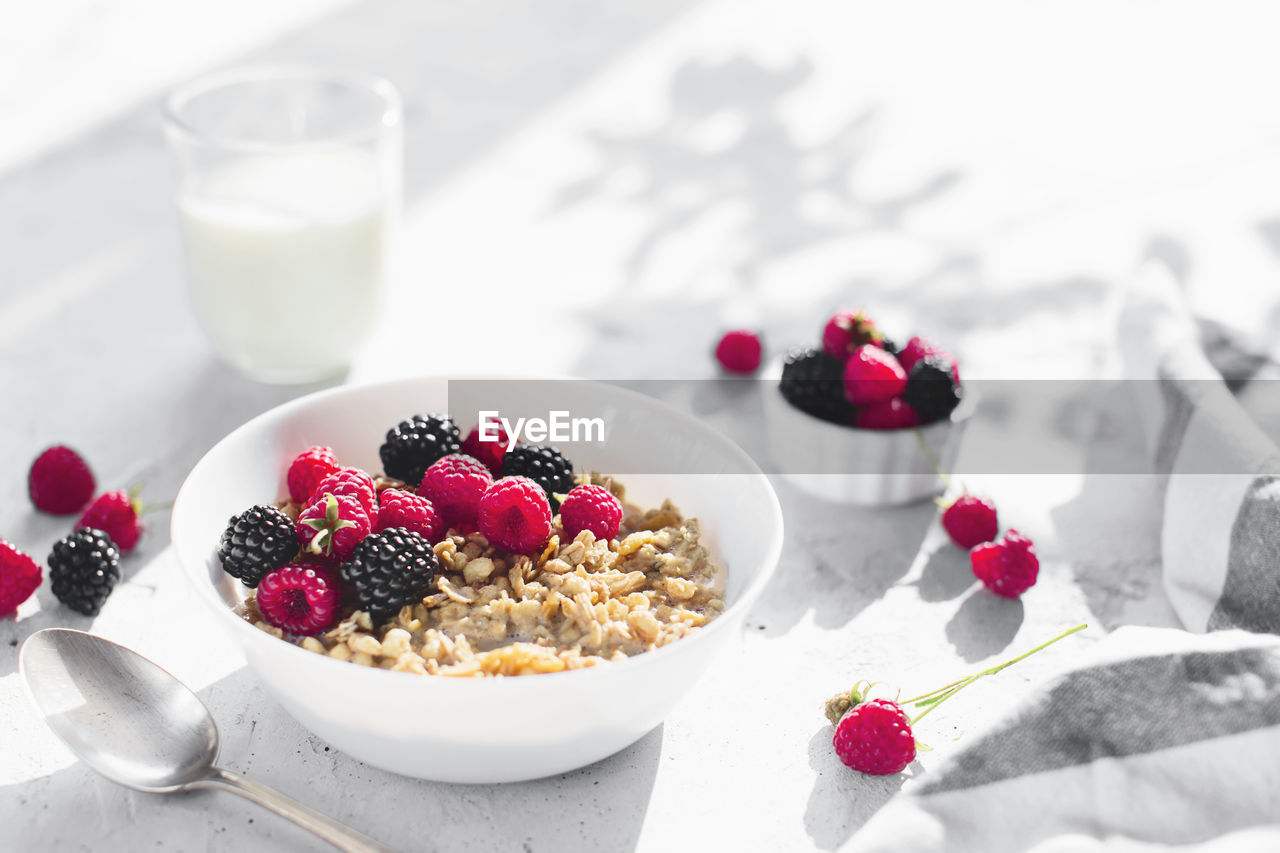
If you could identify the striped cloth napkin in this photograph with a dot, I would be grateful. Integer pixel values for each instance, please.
(1162, 738)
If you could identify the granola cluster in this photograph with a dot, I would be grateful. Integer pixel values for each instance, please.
(575, 604)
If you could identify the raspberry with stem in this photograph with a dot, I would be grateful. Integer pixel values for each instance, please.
(875, 736)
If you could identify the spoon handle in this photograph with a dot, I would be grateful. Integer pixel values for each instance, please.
(340, 836)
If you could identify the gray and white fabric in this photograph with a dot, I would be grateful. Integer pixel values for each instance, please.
(1163, 737)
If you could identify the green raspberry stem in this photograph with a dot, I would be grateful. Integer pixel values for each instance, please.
(935, 698)
(933, 459)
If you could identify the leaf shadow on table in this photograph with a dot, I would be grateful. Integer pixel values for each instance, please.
(843, 799)
(598, 807)
(726, 142)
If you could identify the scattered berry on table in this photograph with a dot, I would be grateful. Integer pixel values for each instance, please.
(488, 452)
(515, 515)
(19, 577)
(412, 445)
(256, 541)
(591, 507)
(390, 570)
(397, 508)
(1008, 566)
(542, 464)
(872, 375)
(454, 484)
(970, 520)
(918, 348)
(60, 481)
(893, 413)
(931, 390)
(300, 598)
(846, 331)
(83, 569)
(118, 514)
(307, 469)
(330, 527)
(813, 382)
(875, 737)
(353, 483)
(739, 351)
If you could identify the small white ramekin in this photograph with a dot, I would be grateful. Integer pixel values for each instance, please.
(866, 467)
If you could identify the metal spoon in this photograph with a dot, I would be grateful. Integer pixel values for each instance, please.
(140, 727)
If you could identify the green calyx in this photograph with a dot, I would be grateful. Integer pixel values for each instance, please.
(135, 503)
(840, 704)
(326, 528)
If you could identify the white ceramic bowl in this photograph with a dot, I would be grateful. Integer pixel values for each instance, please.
(858, 466)
(484, 729)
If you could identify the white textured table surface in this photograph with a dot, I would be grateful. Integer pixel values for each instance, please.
(597, 189)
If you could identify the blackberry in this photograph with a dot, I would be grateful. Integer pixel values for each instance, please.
(542, 464)
(412, 446)
(889, 346)
(83, 569)
(256, 541)
(389, 570)
(931, 389)
(813, 382)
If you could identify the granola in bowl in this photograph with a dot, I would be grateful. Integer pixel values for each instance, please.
(577, 598)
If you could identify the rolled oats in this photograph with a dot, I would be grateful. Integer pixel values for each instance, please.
(575, 604)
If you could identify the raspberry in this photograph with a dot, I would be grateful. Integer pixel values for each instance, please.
(846, 331)
(1008, 566)
(390, 570)
(544, 465)
(739, 351)
(60, 481)
(353, 483)
(875, 737)
(257, 541)
(414, 513)
(931, 390)
(871, 375)
(887, 414)
(488, 452)
(300, 598)
(19, 577)
(970, 520)
(591, 508)
(454, 484)
(412, 445)
(813, 382)
(83, 569)
(515, 515)
(307, 469)
(118, 515)
(330, 527)
(918, 348)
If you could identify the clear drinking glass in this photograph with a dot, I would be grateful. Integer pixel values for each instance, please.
(289, 198)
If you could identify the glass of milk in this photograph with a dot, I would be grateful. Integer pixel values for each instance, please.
(289, 195)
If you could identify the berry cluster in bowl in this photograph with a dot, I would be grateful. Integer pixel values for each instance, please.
(860, 378)
(463, 558)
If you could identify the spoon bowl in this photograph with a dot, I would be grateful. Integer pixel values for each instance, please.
(140, 727)
(118, 712)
